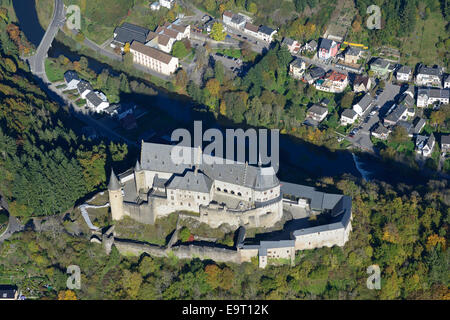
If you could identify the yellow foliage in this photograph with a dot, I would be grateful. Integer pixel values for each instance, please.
(433, 241)
(67, 295)
(126, 48)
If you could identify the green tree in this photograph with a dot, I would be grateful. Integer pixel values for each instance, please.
(179, 50)
(217, 32)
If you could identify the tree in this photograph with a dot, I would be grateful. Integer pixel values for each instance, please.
(128, 60)
(347, 99)
(217, 32)
(252, 8)
(179, 50)
(213, 87)
(219, 71)
(131, 282)
(181, 78)
(399, 135)
(67, 295)
(126, 47)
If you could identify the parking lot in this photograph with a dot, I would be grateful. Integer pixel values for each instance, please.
(231, 64)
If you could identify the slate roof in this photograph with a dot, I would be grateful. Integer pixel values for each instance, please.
(70, 75)
(445, 139)
(316, 72)
(198, 182)
(349, 113)
(396, 113)
(318, 200)
(266, 30)
(406, 100)
(430, 71)
(128, 32)
(312, 44)
(381, 63)
(380, 129)
(326, 44)
(287, 41)
(404, 70)
(359, 79)
(434, 93)
(113, 181)
(94, 98)
(237, 19)
(83, 86)
(318, 110)
(298, 62)
(352, 51)
(264, 245)
(158, 157)
(365, 102)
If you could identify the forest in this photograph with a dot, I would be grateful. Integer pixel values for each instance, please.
(45, 164)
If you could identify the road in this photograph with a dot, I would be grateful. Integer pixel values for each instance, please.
(37, 61)
(13, 224)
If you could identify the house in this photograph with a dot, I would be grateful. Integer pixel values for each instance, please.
(380, 132)
(333, 81)
(425, 145)
(429, 76)
(427, 96)
(165, 36)
(265, 33)
(206, 18)
(155, 6)
(127, 33)
(418, 123)
(297, 68)
(236, 21)
(153, 59)
(327, 49)
(120, 110)
(325, 102)
(97, 101)
(8, 292)
(406, 100)
(409, 127)
(226, 17)
(352, 55)
(167, 3)
(361, 84)
(251, 29)
(404, 74)
(395, 114)
(363, 105)
(71, 78)
(317, 113)
(348, 116)
(314, 73)
(445, 143)
(310, 46)
(84, 88)
(381, 67)
(447, 82)
(292, 45)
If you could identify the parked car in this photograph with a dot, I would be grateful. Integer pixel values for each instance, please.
(373, 112)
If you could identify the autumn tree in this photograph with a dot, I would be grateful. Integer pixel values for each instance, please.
(217, 32)
(67, 295)
(213, 87)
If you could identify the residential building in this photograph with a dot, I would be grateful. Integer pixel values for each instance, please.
(419, 124)
(251, 29)
(71, 78)
(382, 67)
(153, 59)
(226, 17)
(317, 113)
(333, 81)
(429, 76)
(8, 292)
(120, 110)
(167, 3)
(297, 68)
(380, 132)
(233, 20)
(265, 33)
(310, 46)
(427, 96)
(165, 36)
(395, 114)
(408, 126)
(328, 49)
(127, 33)
(352, 55)
(348, 116)
(84, 88)
(425, 145)
(155, 6)
(292, 45)
(313, 74)
(445, 143)
(404, 74)
(97, 101)
(363, 105)
(447, 82)
(361, 84)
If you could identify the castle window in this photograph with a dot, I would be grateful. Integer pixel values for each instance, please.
(204, 198)
(225, 190)
(232, 192)
(218, 189)
(239, 194)
(171, 197)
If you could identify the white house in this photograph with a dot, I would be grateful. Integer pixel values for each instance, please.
(447, 82)
(97, 101)
(348, 116)
(155, 6)
(425, 145)
(292, 45)
(153, 58)
(71, 78)
(84, 88)
(317, 113)
(167, 3)
(427, 76)
(363, 105)
(427, 96)
(404, 74)
(265, 33)
(297, 68)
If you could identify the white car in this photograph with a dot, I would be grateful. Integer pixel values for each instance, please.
(373, 113)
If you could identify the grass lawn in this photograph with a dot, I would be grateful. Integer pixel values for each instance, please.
(234, 53)
(420, 45)
(156, 234)
(44, 9)
(53, 74)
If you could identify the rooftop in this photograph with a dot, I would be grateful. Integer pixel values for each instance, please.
(128, 32)
(151, 52)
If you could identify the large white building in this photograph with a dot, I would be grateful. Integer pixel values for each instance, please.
(428, 96)
(427, 76)
(153, 59)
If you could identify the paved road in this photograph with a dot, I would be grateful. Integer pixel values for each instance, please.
(37, 61)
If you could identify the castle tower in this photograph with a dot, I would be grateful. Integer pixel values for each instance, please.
(139, 177)
(115, 197)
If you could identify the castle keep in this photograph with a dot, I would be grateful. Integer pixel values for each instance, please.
(223, 191)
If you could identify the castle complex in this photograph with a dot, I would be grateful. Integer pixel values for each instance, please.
(227, 192)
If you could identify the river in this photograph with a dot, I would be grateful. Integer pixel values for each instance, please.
(297, 155)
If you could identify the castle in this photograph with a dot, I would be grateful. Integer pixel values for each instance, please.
(223, 191)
